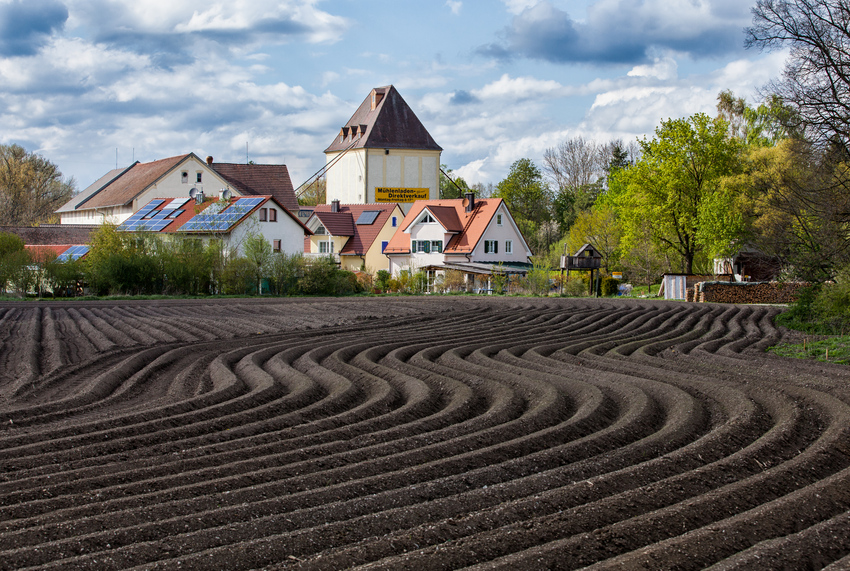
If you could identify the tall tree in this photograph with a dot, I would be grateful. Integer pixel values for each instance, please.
(316, 193)
(674, 183)
(528, 198)
(451, 186)
(31, 188)
(816, 80)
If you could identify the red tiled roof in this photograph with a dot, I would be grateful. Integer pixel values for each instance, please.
(391, 125)
(132, 182)
(473, 224)
(43, 252)
(260, 180)
(447, 216)
(362, 235)
(336, 223)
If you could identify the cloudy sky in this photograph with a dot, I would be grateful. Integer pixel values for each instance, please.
(92, 83)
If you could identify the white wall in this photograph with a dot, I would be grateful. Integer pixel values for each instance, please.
(507, 231)
(289, 232)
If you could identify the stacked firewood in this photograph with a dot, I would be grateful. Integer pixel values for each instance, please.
(750, 292)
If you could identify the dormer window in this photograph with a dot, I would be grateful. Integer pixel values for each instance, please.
(427, 219)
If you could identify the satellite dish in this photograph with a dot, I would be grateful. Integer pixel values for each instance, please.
(465, 202)
(225, 194)
(193, 192)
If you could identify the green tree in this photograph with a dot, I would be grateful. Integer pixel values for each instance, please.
(259, 252)
(451, 186)
(676, 180)
(315, 193)
(31, 188)
(529, 199)
(600, 228)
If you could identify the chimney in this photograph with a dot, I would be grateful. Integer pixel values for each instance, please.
(209, 161)
(469, 201)
(335, 205)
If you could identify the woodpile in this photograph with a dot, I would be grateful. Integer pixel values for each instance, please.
(746, 292)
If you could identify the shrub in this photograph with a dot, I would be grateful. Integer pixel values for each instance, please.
(239, 277)
(382, 282)
(609, 286)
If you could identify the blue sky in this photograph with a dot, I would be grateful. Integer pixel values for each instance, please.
(492, 81)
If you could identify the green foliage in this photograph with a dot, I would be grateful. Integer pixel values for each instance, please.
(239, 277)
(600, 228)
(451, 186)
(529, 199)
(537, 279)
(673, 184)
(284, 272)
(609, 286)
(383, 280)
(319, 276)
(63, 277)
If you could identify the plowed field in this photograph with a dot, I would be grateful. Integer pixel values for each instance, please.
(422, 433)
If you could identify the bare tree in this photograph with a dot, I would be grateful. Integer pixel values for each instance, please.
(31, 188)
(574, 164)
(816, 80)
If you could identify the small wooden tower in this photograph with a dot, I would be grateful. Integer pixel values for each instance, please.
(587, 258)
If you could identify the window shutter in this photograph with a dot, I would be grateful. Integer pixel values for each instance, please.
(427, 247)
(383, 246)
(495, 246)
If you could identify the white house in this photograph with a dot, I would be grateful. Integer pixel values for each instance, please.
(232, 221)
(121, 192)
(471, 235)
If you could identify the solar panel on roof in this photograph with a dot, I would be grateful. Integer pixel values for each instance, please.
(368, 217)
(73, 253)
(223, 220)
(176, 203)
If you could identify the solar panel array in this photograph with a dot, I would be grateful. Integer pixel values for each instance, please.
(147, 218)
(73, 253)
(367, 216)
(221, 221)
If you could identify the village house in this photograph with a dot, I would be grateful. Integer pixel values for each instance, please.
(475, 236)
(118, 194)
(383, 154)
(230, 219)
(354, 234)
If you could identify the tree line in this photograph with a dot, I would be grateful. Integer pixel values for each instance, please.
(769, 177)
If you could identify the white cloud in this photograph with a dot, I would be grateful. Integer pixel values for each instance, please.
(662, 68)
(454, 6)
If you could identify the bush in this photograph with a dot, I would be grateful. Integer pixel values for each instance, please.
(383, 280)
(239, 277)
(609, 286)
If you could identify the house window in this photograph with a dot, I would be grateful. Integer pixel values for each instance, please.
(420, 246)
(276, 246)
(498, 219)
(326, 247)
(199, 176)
(184, 177)
(384, 246)
(436, 246)
(427, 219)
(509, 246)
(262, 214)
(491, 246)
(395, 221)
(272, 215)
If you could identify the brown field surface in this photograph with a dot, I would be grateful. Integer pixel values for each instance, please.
(420, 433)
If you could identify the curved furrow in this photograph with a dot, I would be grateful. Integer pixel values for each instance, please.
(421, 433)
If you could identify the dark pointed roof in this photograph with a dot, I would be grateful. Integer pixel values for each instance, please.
(385, 121)
(259, 180)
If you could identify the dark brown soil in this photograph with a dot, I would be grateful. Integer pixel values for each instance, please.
(420, 433)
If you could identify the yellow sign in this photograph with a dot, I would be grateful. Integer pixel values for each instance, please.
(400, 194)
